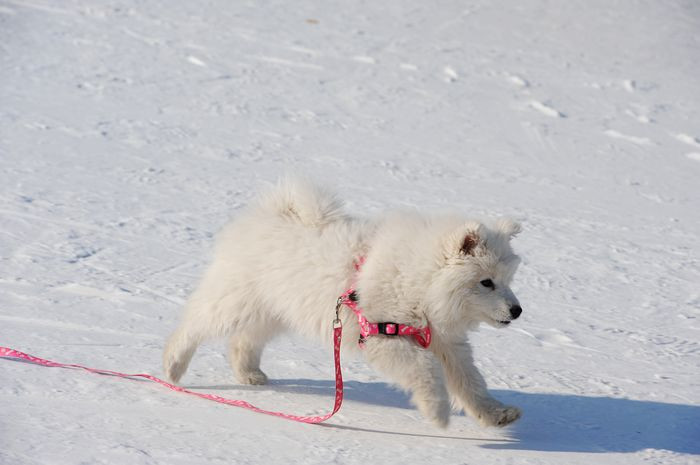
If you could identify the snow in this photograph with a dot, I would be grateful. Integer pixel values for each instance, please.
(131, 131)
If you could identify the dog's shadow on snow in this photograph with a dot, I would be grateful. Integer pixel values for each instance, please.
(366, 393)
(550, 422)
(572, 423)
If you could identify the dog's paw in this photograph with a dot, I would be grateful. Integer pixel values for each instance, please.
(173, 366)
(174, 370)
(500, 416)
(256, 377)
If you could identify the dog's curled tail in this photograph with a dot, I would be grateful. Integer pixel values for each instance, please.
(299, 200)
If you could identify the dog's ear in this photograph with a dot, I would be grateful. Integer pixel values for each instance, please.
(508, 227)
(465, 240)
(471, 240)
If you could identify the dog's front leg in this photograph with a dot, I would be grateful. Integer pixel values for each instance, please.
(414, 369)
(468, 388)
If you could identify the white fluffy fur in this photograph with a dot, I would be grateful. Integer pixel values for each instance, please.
(284, 262)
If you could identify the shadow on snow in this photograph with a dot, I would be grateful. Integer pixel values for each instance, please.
(550, 422)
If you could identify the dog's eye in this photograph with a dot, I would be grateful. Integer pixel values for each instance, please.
(488, 283)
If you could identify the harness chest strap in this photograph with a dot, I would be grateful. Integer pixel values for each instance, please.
(388, 328)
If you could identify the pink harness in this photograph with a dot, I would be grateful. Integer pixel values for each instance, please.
(387, 328)
(349, 298)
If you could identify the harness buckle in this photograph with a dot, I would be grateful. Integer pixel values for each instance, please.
(388, 328)
(337, 323)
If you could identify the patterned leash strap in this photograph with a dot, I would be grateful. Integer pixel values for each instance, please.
(6, 352)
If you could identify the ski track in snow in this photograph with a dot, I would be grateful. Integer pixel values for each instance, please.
(130, 132)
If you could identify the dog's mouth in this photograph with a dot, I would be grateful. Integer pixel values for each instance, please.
(499, 323)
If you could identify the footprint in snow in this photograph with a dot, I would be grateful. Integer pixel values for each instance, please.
(518, 81)
(365, 59)
(196, 61)
(629, 85)
(633, 139)
(690, 140)
(546, 109)
(450, 74)
(639, 113)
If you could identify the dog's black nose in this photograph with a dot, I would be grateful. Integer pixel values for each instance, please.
(515, 311)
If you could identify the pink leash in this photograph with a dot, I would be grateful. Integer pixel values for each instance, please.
(337, 335)
(422, 336)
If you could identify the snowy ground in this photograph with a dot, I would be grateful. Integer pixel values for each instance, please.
(131, 131)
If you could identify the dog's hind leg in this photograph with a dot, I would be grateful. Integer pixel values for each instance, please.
(179, 351)
(246, 345)
(415, 370)
(202, 320)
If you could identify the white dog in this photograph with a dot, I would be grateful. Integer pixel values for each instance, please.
(284, 262)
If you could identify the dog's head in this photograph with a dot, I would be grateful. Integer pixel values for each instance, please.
(453, 272)
(473, 284)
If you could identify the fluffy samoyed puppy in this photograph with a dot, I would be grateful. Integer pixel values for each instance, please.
(283, 263)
